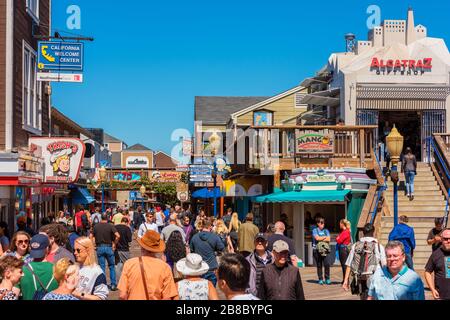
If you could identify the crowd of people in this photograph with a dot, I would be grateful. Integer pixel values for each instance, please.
(193, 257)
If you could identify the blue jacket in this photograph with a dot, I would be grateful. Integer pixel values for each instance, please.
(404, 234)
(207, 244)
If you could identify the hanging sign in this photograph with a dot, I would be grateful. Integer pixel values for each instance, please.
(60, 56)
(314, 142)
(63, 158)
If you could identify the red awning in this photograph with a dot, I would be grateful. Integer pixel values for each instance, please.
(9, 181)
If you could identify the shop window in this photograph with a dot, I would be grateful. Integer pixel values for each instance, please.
(262, 118)
(33, 9)
(32, 92)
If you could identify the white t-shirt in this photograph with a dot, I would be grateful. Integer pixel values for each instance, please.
(131, 214)
(248, 296)
(93, 282)
(159, 218)
(146, 227)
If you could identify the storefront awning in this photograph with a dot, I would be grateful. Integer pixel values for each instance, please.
(304, 196)
(82, 196)
(323, 98)
(206, 193)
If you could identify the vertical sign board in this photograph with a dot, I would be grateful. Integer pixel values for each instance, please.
(60, 56)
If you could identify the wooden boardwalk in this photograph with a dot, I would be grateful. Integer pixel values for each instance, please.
(313, 291)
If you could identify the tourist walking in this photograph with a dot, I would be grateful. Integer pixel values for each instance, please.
(106, 237)
(343, 240)
(206, 244)
(148, 224)
(396, 281)
(148, 277)
(66, 273)
(233, 229)
(92, 284)
(10, 272)
(363, 260)
(434, 238)
(175, 251)
(4, 236)
(280, 280)
(258, 260)
(193, 287)
(187, 228)
(57, 235)
(405, 234)
(409, 167)
(38, 277)
(123, 246)
(117, 218)
(173, 226)
(20, 247)
(234, 274)
(227, 217)
(160, 217)
(61, 218)
(439, 265)
(246, 235)
(321, 249)
(222, 232)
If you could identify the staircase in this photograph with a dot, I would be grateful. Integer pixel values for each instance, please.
(429, 203)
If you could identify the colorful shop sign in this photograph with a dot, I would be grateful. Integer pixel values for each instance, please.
(62, 158)
(408, 66)
(60, 56)
(314, 142)
(165, 176)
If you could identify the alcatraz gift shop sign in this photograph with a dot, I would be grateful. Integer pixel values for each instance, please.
(62, 158)
(314, 142)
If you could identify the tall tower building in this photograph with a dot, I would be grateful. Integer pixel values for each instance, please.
(410, 28)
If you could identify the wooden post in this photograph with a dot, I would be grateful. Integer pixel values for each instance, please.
(222, 200)
(362, 146)
(277, 177)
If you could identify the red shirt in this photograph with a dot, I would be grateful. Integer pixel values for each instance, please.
(78, 215)
(344, 237)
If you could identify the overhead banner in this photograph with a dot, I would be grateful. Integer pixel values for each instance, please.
(63, 158)
(60, 56)
(314, 142)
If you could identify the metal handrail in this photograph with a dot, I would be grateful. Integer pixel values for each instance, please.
(431, 144)
(380, 191)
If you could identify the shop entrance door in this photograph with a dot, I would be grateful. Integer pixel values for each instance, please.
(433, 121)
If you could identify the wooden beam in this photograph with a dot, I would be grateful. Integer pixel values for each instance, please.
(368, 206)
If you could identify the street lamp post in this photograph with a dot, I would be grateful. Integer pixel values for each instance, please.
(215, 186)
(102, 179)
(143, 190)
(394, 143)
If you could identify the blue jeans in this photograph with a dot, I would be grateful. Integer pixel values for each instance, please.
(211, 276)
(409, 177)
(106, 253)
(409, 261)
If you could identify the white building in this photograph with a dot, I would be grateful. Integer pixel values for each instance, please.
(400, 76)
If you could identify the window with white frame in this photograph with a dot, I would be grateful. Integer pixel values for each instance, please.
(33, 9)
(298, 101)
(32, 90)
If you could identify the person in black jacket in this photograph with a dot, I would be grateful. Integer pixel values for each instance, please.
(280, 280)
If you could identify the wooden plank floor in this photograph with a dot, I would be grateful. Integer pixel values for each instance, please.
(313, 291)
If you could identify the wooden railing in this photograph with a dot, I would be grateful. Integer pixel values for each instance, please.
(277, 144)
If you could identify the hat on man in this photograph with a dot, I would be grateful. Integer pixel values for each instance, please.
(261, 236)
(280, 246)
(151, 241)
(192, 265)
(39, 244)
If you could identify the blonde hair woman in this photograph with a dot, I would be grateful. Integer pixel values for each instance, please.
(344, 240)
(233, 228)
(222, 231)
(92, 285)
(67, 275)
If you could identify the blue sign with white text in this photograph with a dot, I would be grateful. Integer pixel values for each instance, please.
(61, 56)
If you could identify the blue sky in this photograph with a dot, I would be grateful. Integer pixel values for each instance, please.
(151, 58)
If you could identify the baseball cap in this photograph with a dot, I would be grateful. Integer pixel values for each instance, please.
(39, 244)
(261, 236)
(280, 246)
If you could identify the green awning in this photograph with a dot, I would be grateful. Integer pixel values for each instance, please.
(304, 196)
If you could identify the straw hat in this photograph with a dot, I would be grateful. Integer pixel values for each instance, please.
(151, 241)
(192, 265)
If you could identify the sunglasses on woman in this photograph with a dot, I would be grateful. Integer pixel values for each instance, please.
(21, 242)
(78, 250)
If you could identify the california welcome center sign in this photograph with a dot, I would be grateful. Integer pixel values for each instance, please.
(314, 142)
(63, 158)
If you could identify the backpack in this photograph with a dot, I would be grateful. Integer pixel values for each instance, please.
(365, 260)
(84, 221)
(39, 294)
(95, 220)
(323, 248)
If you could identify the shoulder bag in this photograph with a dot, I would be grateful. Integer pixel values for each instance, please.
(143, 278)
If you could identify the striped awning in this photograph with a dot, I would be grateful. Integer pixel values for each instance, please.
(397, 104)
